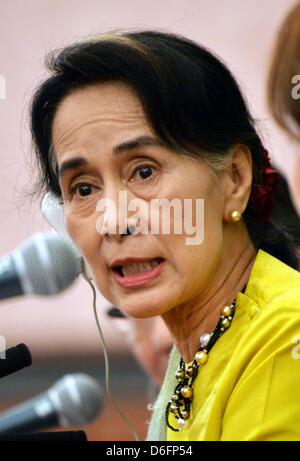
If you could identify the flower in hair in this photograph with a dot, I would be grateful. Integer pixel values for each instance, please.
(262, 195)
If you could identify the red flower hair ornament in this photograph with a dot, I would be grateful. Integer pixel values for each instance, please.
(262, 195)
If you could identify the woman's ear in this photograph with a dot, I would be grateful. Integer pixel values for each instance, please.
(237, 181)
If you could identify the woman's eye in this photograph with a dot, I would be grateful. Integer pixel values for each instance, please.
(144, 172)
(82, 190)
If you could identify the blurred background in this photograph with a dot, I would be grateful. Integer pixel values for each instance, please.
(60, 331)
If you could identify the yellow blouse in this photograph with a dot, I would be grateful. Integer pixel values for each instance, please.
(249, 389)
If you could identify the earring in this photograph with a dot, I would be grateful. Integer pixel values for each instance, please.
(235, 216)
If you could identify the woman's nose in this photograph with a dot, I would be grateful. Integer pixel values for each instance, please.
(114, 220)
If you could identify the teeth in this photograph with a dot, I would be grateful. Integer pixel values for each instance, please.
(138, 268)
(155, 262)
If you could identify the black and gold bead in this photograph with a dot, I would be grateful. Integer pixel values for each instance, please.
(181, 401)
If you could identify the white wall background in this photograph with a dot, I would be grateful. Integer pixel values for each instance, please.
(240, 32)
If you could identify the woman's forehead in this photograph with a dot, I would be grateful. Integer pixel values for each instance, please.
(101, 98)
(107, 111)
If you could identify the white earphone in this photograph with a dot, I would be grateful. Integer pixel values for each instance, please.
(53, 212)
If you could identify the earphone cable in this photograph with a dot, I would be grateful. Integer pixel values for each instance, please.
(107, 370)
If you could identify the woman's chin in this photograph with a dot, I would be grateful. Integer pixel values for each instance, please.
(140, 311)
(144, 307)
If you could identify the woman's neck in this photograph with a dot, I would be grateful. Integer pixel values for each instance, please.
(188, 322)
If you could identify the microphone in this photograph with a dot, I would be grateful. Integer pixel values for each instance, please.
(15, 359)
(73, 400)
(45, 264)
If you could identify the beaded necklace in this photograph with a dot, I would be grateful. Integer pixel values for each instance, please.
(181, 401)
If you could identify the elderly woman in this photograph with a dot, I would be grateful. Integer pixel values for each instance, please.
(159, 117)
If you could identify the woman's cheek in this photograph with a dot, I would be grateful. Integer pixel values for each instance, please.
(79, 227)
(82, 207)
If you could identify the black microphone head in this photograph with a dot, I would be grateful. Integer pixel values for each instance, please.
(77, 399)
(15, 359)
(46, 263)
(25, 354)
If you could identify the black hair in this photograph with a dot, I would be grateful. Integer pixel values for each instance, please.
(190, 98)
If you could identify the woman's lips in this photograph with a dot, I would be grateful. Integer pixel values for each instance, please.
(130, 280)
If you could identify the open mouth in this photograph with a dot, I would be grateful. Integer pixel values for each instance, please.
(136, 268)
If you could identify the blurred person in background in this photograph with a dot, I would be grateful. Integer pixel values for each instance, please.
(149, 340)
(283, 91)
(159, 116)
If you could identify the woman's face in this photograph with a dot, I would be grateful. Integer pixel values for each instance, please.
(94, 137)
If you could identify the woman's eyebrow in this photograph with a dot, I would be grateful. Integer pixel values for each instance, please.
(125, 146)
(71, 164)
(140, 141)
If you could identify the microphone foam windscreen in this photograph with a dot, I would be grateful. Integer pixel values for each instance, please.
(77, 398)
(48, 264)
